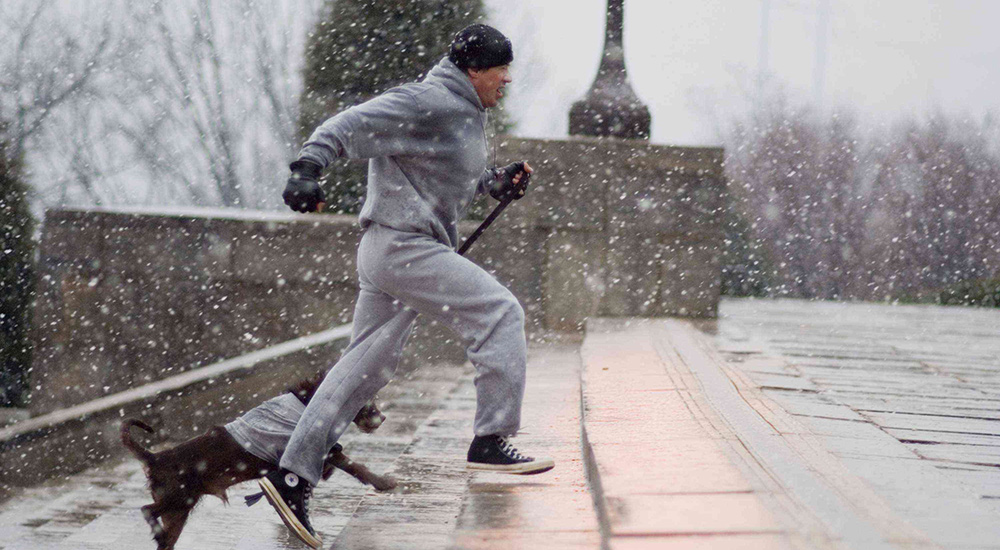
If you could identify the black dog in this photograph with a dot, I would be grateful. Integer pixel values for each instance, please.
(212, 462)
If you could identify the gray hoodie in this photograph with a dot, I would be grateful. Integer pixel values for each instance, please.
(428, 150)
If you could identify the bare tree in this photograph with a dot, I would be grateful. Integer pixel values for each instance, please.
(155, 102)
(219, 87)
(144, 101)
(938, 185)
(51, 54)
(899, 214)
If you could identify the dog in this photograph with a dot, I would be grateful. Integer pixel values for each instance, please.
(212, 462)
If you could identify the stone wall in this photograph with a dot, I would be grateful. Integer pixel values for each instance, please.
(610, 227)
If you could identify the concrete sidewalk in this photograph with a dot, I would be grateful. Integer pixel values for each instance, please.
(766, 429)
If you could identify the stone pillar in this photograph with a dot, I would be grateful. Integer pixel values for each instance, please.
(611, 107)
(611, 228)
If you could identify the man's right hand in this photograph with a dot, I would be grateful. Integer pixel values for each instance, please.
(511, 181)
(303, 193)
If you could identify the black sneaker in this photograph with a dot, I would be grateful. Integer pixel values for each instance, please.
(289, 494)
(494, 453)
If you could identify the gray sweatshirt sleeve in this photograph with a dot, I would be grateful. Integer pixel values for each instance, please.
(391, 124)
(486, 181)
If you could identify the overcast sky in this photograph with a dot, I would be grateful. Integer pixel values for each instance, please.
(887, 58)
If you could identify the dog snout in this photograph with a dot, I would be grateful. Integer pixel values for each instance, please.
(371, 423)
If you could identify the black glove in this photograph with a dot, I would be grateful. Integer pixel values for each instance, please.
(504, 186)
(302, 193)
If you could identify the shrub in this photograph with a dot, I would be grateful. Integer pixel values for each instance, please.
(16, 251)
(977, 292)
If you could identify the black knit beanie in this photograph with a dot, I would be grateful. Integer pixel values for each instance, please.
(480, 47)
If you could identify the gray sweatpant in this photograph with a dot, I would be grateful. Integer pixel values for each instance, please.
(402, 274)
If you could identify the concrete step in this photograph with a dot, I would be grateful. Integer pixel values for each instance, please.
(664, 437)
(688, 452)
(927, 446)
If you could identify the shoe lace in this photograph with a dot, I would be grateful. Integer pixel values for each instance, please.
(509, 449)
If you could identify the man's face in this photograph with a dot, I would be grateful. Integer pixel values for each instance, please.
(489, 83)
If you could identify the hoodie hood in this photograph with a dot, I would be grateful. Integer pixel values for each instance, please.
(450, 76)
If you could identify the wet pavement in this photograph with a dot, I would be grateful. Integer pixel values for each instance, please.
(905, 399)
(439, 504)
(99, 508)
(784, 424)
(670, 474)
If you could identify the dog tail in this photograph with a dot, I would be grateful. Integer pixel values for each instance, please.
(139, 451)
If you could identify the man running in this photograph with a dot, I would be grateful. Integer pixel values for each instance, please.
(427, 146)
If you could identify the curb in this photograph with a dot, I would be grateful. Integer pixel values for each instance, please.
(593, 476)
(814, 482)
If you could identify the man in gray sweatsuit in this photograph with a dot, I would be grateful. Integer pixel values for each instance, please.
(428, 156)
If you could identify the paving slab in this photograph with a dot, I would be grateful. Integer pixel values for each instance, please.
(810, 405)
(961, 408)
(688, 514)
(962, 454)
(923, 437)
(935, 423)
(722, 541)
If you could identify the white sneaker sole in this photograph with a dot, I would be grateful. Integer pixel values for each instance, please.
(286, 514)
(536, 466)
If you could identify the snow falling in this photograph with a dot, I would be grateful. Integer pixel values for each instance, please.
(143, 234)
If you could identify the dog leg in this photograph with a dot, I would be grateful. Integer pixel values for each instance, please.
(150, 513)
(360, 472)
(173, 524)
